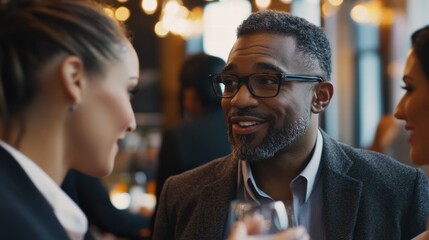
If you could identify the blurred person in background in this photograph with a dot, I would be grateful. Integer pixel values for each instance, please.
(67, 74)
(388, 129)
(413, 107)
(201, 137)
(389, 139)
(92, 196)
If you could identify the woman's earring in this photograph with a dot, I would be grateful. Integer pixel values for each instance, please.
(72, 107)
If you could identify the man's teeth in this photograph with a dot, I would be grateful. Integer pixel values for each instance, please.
(246, 124)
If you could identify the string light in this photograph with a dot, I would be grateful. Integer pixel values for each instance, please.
(262, 4)
(372, 12)
(122, 13)
(177, 19)
(160, 31)
(109, 11)
(149, 6)
(335, 3)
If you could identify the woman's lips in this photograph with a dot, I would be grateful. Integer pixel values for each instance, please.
(410, 133)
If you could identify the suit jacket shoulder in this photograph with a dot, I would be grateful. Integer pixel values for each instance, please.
(194, 204)
(25, 213)
(362, 189)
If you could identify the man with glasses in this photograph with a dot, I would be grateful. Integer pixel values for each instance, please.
(274, 87)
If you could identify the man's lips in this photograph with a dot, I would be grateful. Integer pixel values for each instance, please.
(242, 125)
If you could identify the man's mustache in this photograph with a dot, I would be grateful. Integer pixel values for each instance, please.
(250, 112)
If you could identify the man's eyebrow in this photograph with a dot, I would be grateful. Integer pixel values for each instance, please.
(268, 66)
(259, 65)
(228, 68)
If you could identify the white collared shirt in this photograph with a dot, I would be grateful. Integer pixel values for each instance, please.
(68, 213)
(306, 189)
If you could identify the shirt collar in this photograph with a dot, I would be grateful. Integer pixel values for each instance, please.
(309, 172)
(68, 213)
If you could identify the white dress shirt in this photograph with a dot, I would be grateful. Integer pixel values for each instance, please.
(306, 190)
(68, 213)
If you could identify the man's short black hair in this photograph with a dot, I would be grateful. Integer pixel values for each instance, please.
(310, 39)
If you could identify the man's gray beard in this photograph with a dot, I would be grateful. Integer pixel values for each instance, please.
(275, 141)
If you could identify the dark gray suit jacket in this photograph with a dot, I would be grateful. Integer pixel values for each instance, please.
(24, 211)
(366, 195)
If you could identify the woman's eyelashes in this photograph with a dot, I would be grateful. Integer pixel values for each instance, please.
(407, 88)
(133, 91)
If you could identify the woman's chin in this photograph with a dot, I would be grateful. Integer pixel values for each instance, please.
(418, 159)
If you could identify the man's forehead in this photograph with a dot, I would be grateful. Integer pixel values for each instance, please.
(264, 39)
(270, 52)
(259, 45)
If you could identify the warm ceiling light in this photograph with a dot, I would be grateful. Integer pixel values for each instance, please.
(160, 31)
(262, 4)
(360, 13)
(149, 6)
(109, 11)
(172, 7)
(122, 13)
(368, 13)
(328, 10)
(335, 3)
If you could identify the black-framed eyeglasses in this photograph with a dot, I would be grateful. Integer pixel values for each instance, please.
(262, 85)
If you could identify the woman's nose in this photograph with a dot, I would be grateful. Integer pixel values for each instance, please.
(133, 125)
(399, 110)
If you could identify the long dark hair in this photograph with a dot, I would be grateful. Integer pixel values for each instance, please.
(420, 41)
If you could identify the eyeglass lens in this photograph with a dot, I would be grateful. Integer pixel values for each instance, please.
(260, 85)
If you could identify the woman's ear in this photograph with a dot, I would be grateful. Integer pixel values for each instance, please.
(322, 96)
(73, 78)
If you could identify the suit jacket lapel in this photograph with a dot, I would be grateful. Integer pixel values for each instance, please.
(19, 187)
(341, 193)
(216, 198)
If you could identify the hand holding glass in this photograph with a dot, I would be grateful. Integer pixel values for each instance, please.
(262, 219)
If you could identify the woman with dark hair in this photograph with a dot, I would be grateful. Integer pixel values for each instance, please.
(413, 107)
(67, 71)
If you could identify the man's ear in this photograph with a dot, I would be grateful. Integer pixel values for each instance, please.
(72, 76)
(322, 96)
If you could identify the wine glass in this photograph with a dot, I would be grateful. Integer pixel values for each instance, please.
(264, 218)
